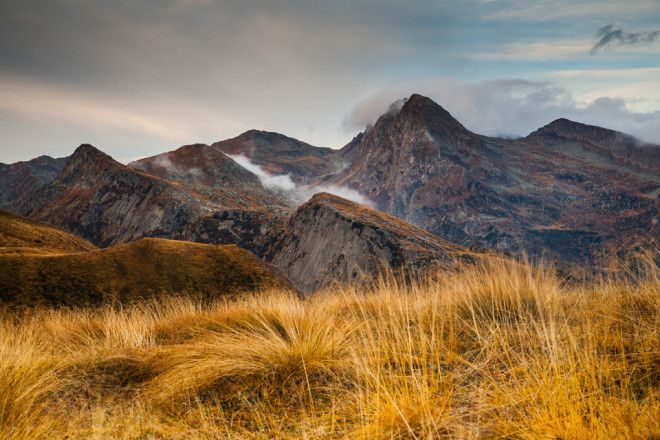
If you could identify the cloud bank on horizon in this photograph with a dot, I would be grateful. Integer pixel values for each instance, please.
(139, 78)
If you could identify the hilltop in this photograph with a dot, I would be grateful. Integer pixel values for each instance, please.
(43, 266)
(19, 235)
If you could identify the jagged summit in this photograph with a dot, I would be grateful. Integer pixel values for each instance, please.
(421, 111)
(86, 164)
(89, 154)
(89, 150)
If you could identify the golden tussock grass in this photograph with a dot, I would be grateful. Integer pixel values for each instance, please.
(499, 350)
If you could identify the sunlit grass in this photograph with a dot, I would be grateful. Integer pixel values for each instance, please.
(499, 350)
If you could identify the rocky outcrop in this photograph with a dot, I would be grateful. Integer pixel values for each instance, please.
(279, 154)
(421, 165)
(251, 229)
(330, 239)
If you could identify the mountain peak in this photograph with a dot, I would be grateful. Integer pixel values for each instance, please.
(89, 152)
(565, 128)
(87, 162)
(420, 101)
(425, 111)
(563, 124)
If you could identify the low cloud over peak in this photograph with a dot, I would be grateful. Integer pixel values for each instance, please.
(297, 193)
(511, 108)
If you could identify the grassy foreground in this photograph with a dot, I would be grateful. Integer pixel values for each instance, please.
(499, 350)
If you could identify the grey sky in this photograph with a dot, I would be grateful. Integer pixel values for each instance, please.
(141, 77)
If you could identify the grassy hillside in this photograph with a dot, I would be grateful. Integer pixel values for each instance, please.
(138, 270)
(20, 236)
(500, 350)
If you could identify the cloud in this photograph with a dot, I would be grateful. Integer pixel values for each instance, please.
(612, 36)
(274, 181)
(163, 161)
(298, 193)
(512, 107)
(545, 51)
(41, 100)
(547, 10)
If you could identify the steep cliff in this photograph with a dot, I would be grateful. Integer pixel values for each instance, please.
(330, 239)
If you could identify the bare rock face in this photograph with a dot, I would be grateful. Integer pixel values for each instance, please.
(210, 172)
(106, 202)
(330, 239)
(195, 193)
(539, 195)
(20, 180)
(252, 229)
(279, 154)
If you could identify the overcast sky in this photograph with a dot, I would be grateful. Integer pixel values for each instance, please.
(140, 77)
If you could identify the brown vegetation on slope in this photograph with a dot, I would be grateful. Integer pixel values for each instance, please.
(499, 350)
(22, 236)
(41, 265)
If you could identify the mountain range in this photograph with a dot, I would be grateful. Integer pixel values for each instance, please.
(436, 192)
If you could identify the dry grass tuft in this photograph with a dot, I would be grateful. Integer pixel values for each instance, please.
(501, 349)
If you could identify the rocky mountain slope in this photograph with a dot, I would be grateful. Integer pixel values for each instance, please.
(535, 195)
(41, 265)
(106, 202)
(279, 154)
(330, 239)
(201, 195)
(568, 191)
(18, 181)
(599, 146)
(209, 171)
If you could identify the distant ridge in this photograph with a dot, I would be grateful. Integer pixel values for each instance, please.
(209, 171)
(597, 143)
(569, 192)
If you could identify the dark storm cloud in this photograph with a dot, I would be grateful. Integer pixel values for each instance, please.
(611, 36)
